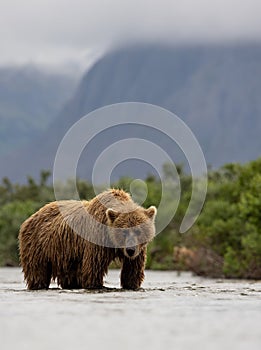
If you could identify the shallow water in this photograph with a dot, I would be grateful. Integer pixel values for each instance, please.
(171, 312)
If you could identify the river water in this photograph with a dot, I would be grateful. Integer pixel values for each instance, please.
(171, 312)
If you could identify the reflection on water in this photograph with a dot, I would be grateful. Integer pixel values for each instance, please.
(176, 312)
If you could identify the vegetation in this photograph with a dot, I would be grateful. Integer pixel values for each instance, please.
(230, 224)
(225, 240)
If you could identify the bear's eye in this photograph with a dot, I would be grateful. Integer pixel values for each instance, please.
(137, 232)
(125, 233)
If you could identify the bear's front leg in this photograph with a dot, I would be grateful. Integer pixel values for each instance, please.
(132, 272)
(92, 277)
(94, 267)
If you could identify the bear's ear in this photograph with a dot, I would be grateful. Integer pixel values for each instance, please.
(151, 212)
(111, 215)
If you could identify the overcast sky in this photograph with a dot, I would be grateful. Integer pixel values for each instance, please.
(56, 31)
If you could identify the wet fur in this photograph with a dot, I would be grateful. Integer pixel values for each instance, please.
(50, 249)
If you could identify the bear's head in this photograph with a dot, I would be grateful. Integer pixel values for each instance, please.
(131, 230)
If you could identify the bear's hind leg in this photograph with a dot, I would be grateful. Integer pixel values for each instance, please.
(39, 278)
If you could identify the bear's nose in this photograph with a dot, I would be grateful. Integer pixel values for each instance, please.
(130, 251)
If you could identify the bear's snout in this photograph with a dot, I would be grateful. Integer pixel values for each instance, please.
(130, 251)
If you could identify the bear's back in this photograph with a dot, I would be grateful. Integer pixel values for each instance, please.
(116, 199)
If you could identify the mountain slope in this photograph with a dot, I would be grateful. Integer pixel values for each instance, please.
(215, 90)
(30, 97)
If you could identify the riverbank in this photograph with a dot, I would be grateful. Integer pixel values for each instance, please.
(171, 311)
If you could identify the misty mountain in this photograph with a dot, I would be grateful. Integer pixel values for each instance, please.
(30, 98)
(216, 90)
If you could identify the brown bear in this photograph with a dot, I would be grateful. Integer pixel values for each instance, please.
(75, 241)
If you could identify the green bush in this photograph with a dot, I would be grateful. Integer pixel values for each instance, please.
(11, 217)
(229, 225)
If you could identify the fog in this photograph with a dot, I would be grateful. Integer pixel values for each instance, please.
(65, 30)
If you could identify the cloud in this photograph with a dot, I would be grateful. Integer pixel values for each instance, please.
(63, 29)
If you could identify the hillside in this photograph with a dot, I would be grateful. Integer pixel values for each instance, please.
(215, 90)
(30, 98)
